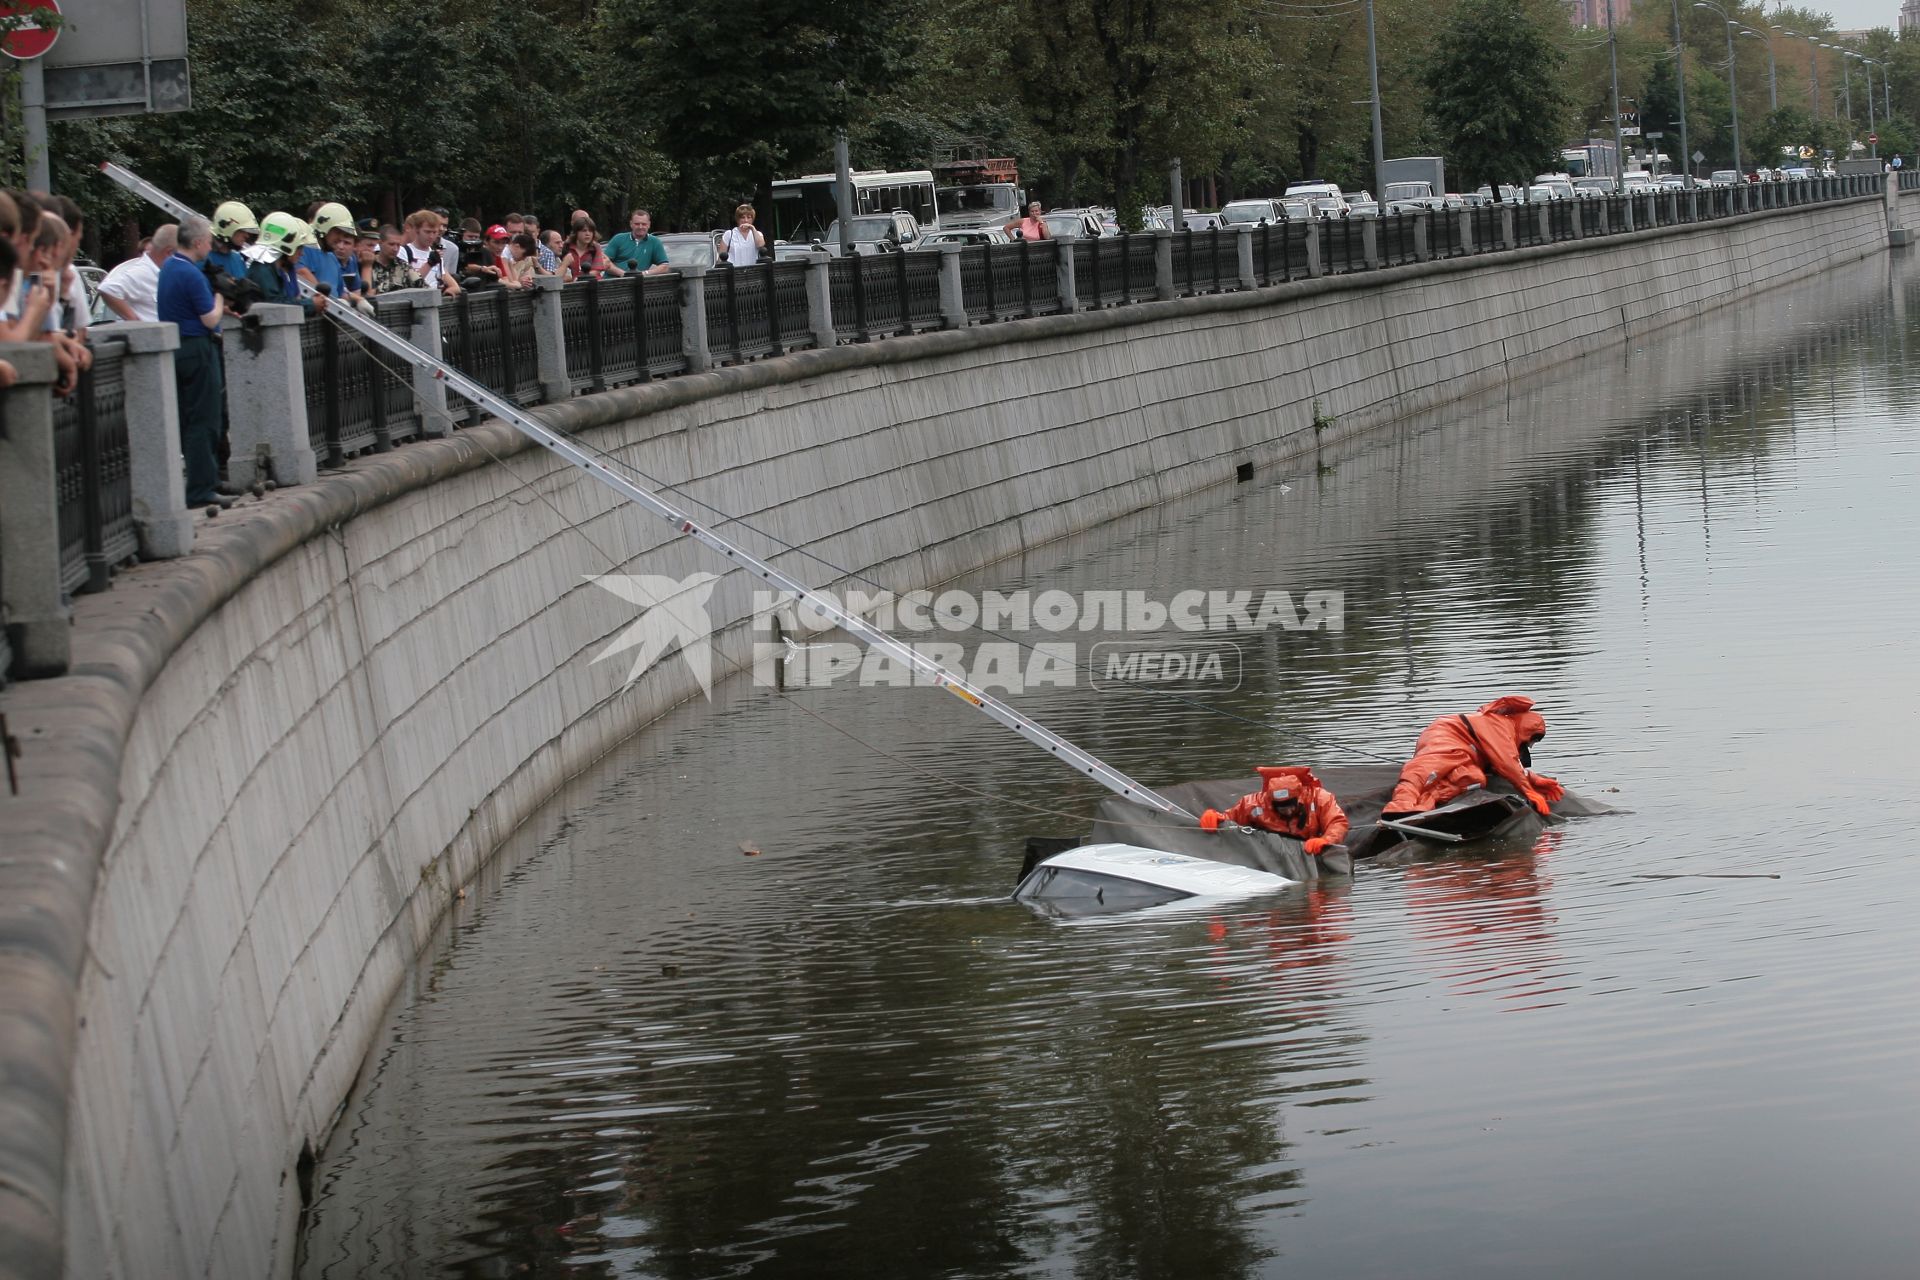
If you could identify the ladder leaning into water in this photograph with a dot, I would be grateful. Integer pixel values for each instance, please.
(511, 414)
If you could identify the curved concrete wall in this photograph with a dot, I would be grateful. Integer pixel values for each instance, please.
(310, 731)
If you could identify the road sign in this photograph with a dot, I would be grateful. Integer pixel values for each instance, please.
(118, 57)
(1629, 130)
(1655, 134)
(28, 39)
(1699, 157)
(1873, 138)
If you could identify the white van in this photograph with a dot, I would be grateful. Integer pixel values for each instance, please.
(1315, 191)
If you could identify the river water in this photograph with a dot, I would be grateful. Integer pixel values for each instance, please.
(1677, 1041)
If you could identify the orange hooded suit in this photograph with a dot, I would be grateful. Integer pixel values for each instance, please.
(1319, 822)
(1458, 752)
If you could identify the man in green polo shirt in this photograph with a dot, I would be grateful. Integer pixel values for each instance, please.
(637, 248)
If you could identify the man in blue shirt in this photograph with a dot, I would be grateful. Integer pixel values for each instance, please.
(637, 248)
(185, 299)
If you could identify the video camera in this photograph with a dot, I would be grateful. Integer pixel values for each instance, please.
(240, 293)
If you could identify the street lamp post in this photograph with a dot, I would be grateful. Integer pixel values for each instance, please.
(1873, 132)
(1379, 143)
(1846, 76)
(1813, 65)
(1613, 60)
(1773, 75)
(1680, 78)
(1733, 80)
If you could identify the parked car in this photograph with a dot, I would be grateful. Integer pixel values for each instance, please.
(1253, 211)
(1592, 187)
(1074, 224)
(690, 248)
(1329, 207)
(1727, 178)
(1362, 209)
(794, 250)
(876, 233)
(1504, 195)
(1557, 188)
(1313, 191)
(1296, 208)
(964, 236)
(1196, 221)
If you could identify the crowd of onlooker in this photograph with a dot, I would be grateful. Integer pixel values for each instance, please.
(195, 273)
(46, 301)
(347, 260)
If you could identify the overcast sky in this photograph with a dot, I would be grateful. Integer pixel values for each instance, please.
(1856, 15)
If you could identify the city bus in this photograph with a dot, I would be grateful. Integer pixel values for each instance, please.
(803, 207)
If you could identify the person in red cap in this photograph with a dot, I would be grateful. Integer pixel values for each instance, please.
(1456, 753)
(488, 262)
(1290, 802)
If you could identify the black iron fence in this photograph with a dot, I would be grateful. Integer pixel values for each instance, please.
(628, 329)
(1398, 241)
(1113, 271)
(489, 336)
(759, 311)
(93, 474)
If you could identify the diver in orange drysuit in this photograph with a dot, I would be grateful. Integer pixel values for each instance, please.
(1290, 802)
(1458, 752)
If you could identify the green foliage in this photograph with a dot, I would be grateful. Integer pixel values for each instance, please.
(734, 92)
(1793, 127)
(1494, 88)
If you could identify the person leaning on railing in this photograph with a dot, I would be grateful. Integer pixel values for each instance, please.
(187, 300)
(521, 263)
(585, 259)
(637, 248)
(386, 270)
(42, 243)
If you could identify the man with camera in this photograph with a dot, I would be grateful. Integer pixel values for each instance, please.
(426, 254)
(388, 270)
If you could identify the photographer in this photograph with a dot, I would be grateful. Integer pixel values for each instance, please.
(388, 270)
(424, 252)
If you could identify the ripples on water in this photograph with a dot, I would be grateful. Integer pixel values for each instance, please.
(641, 1052)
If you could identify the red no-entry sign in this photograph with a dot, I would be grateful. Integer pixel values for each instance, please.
(27, 38)
(1873, 137)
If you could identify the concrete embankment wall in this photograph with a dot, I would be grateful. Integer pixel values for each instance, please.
(277, 758)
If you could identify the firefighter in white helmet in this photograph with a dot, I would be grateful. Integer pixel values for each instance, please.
(273, 261)
(234, 228)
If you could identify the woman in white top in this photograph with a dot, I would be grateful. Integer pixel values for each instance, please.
(742, 246)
